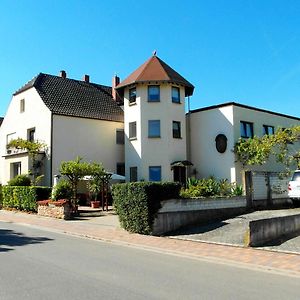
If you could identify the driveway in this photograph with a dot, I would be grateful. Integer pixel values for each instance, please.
(232, 231)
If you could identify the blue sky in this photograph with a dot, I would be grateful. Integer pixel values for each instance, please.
(242, 51)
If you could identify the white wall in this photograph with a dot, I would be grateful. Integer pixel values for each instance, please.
(259, 118)
(144, 151)
(93, 140)
(205, 126)
(36, 115)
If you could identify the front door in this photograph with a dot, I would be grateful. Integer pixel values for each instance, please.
(179, 174)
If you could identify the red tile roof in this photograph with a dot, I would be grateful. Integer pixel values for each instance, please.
(154, 69)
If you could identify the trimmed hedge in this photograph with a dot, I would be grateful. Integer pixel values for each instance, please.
(137, 203)
(24, 197)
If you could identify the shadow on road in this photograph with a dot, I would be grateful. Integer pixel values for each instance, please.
(11, 238)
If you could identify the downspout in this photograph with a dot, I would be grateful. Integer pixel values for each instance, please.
(188, 136)
(51, 149)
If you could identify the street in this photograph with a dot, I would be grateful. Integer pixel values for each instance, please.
(38, 264)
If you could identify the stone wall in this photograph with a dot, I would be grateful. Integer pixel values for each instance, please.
(178, 213)
(60, 209)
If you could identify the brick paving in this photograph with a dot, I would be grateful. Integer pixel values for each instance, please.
(106, 229)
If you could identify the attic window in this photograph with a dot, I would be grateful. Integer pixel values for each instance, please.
(22, 105)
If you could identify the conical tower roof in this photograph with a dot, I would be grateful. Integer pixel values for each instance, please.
(154, 69)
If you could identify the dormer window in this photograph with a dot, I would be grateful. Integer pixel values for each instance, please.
(22, 105)
(132, 95)
(175, 94)
(153, 93)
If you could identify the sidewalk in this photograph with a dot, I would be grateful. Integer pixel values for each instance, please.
(106, 228)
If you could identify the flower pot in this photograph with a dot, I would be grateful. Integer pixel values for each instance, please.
(95, 204)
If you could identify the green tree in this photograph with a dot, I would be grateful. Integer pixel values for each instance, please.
(34, 149)
(75, 170)
(257, 150)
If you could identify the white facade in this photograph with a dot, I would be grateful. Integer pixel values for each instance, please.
(226, 119)
(21, 117)
(144, 151)
(93, 140)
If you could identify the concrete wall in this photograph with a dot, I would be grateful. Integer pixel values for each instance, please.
(266, 230)
(162, 151)
(93, 140)
(178, 213)
(35, 115)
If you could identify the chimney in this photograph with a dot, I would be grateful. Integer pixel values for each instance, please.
(115, 82)
(63, 74)
(86, 78)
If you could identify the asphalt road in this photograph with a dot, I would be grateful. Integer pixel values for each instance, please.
(37, 264)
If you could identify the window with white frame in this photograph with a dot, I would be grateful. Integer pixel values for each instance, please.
(22, 105)
(120, 136)
(132, 95)
(153, 93)
(31, 134)
(175, 94)
(176, 129)
(154, 128)
(267, 129)
(132, 130)
(15, 169)
(155, 173)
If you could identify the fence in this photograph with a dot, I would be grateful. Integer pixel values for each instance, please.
(266, 188)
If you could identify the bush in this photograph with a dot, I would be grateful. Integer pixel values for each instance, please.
(24, 197)
(210, 187)
(20, 180)
(63, 190)
(137, 203)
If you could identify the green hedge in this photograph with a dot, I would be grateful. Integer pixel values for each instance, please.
(24, 197)
(137, 203)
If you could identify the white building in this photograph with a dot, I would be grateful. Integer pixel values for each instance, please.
(79, 118)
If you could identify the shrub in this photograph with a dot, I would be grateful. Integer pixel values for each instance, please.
(20, 180)
(24, 197)
(137, 203)
(63, 190)
(210, 187)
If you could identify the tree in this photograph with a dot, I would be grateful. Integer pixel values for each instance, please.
(257, 150)
(75, 170)
(34, 148)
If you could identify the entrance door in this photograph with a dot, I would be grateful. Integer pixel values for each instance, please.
(179, 174)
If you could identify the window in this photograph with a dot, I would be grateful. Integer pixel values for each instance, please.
(268, 129)
(22, 105)
(133, 174)
(120, 136)
(175, 94)
(155, 173)
(176, 130)
(246, 130)
(121, 169)
(31, 134)
(132, 130)
(154, 128)
(132, 95)
(15, 169)
(153, 93)
(10, 137)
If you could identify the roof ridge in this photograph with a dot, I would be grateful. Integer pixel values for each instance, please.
(162, 65)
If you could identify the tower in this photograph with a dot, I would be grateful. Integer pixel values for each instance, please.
(154, 122)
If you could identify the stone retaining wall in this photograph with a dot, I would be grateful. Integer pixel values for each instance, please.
(266, 230)
(177, 213)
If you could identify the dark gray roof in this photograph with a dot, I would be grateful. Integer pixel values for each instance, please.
(1, 120)
(75, 98)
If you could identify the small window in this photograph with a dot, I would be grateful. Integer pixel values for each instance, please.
(121, 169)
(120, 136)
(132, 130)
(175, 94)
(31, 134)
(154, 128)
(268, 129)
(15, 169)
(153, 93)
(132, 95)
(155, 173)
(22, 105)
(10, 137)
(246, 130)
(133, 174)
(176, 130)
